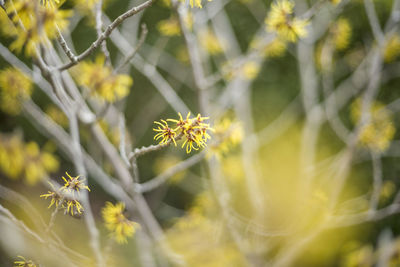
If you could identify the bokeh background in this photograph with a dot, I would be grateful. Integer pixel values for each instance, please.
(271, 117)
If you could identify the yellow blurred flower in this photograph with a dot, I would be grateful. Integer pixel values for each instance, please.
(169, 27)
(19, 160)
(40, 22)
(379, 131)
(281, 20)
(116, 222)
(392, 48)
(210, 42)
(250, 70)
(14, 88)
(228, 134)
(102, 82)
(341, 34)
(57, 116)
(276, 48)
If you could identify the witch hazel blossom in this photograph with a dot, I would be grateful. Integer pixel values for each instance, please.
(193, 131)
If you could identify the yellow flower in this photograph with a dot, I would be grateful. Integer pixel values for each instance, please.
(392, 48)
(39, 23)
(341, 34)
(193, 130)
(228, 134)
(379, 131)
(70, 205)
(19, 160)
(116, 222)
(193, 3)
(276, 48)
(14, 88)
(165, 133)
(24, 263)
(281, 20)
(102, 82)
(335, 2)
(54, 196)
(250, 70)
(73, 207)
(57, 116)
(74, 184)
(210, 42)
(169, 27)
(38, 163)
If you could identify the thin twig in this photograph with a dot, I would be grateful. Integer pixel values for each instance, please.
(107, 33)
(163, 177)
(134, 52)
(99, 29)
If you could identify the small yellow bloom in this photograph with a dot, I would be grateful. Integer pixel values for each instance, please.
(392, 48)
(22, 262)
(210, 42)
(74, 184)
(379, 131)
(250, 70)
(102, 82)
(281, 20)
(228, 134)
(193, 130)
(166, 133)
(116, 222)
(14, 88)
(193, 3)
(40, 23)
(276, 48)
(169, 27)
(341, 34)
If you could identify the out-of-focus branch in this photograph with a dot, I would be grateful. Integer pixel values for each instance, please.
(142, 38)
(163, 177)
(374, 22)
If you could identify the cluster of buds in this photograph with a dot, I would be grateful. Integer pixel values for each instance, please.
(194, 131)
(65, 196)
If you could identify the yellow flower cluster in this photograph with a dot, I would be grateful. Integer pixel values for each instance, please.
(14, 88)
(341, 34)
(102, 82)
(34, 23)
(281, 20)
(22, 262)
(25, 160)
(379, 131)
(392, 48)
(193, 130)
(71, 186)
(116, 222)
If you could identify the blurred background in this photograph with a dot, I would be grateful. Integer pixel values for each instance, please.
(302, 166)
